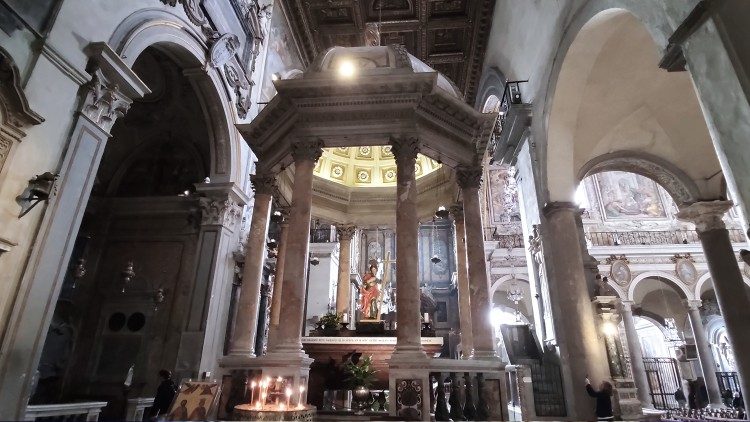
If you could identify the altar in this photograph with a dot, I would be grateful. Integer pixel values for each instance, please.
(324, 349)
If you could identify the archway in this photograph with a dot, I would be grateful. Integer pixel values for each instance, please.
(613, 108)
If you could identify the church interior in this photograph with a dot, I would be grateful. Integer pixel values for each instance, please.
(374, 210)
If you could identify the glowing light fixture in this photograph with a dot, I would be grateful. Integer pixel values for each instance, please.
(609, 329)
(346, 68)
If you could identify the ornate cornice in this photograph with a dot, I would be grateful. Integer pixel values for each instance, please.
(706, 216)
(307, 150)
(469, 177)
(15, 110)
(263, 184)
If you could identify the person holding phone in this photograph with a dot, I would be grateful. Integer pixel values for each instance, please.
(603, 398)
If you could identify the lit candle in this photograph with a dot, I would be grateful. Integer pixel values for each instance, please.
(345, 318)
(252, 391)
(288, 395)
(282, 407)
(426, 317)
(301, 390)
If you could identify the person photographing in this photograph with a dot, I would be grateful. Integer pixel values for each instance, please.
(603, 398)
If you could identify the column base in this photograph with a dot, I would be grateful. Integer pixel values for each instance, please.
(409, 384)
(630, 408)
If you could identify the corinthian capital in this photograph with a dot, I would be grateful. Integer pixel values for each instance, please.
(219, 212)
(103, 102)
(405, 150)
(469, 177)
(706, 215)
(345, 232)
(457, 211)
(263, 184)
(307, 150)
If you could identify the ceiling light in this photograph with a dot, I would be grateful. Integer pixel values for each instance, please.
(346, 68)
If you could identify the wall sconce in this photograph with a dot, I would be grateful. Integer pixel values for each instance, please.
(277, 217)
(441, 213)
(314, 260)
(435, 259)
(39, 189)
(158, 295)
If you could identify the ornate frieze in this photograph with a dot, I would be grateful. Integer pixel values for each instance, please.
(307, 150)
(192, 9)
(469, 177)
(219, 212)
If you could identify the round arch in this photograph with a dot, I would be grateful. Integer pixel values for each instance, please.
(669, 279)
(589, 36)
(178, 39)
(678, 184)
(491, 84)
(502, 280)
(706, 278)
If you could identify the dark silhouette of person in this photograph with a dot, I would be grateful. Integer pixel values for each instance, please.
(692, 395)
(603, 400)
(199, 413)
(679, 396)
(165, 393)
(180, 413)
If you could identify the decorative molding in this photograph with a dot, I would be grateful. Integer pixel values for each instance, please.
(192, 10)
(223, 49)
(219, 212)
(15, 108)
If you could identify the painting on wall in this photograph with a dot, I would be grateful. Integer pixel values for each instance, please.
(503, 196)
(625, 195)
(194, 401)
(281, 56)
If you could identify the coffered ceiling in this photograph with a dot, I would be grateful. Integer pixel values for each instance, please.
(448, 35)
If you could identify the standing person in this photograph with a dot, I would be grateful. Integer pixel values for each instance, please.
(603, 400)
(692, 395)
(164, 394)
(679, 396)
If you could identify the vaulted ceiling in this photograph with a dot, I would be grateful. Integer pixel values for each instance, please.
(448, 35)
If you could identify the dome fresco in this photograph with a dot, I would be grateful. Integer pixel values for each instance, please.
(366, 166)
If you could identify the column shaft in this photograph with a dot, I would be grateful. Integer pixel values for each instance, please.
(248, 305)
(343, 286)
(705, 354)
(580, 348)
(464, 294)
(295, 268)
(636, 355)
(409, 332)
(731, 292)
(278, 284)
(469, 179)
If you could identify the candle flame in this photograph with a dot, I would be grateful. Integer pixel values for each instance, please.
(288, 391)
(301, 388)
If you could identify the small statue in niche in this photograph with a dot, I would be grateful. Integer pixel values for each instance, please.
(369, 296)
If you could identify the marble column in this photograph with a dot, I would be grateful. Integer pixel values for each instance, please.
(409, 332)
(248, 305)
(464, 294)
(579, 345)
(469, 180)
(343, 287)
(705, 354)
(278, 279)
(730, 288)
(305, 154)
(636, 354)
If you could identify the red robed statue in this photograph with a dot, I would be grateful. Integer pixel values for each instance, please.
(370, 294)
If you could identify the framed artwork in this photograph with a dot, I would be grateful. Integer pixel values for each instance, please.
(195, 401)
(620, 272)
(625, 196)
(686, 271)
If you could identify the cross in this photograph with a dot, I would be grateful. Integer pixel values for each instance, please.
(386, 279)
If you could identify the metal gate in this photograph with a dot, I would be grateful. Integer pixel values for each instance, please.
(728, 381)
(663, 381)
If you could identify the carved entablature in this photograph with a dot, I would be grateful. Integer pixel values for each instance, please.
(219, 212)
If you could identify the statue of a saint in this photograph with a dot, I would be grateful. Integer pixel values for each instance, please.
(369, 295)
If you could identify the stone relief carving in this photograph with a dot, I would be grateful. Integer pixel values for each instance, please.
(192, 10)
(684, 268)
(236, 79)
(219, 212)
(223, 49)
(104, 103)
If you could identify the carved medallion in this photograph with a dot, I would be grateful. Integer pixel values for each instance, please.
(223, 49)
(620, 272)
(686, 270)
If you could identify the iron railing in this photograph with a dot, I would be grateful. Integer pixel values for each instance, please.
(663, 380)
(728, 381)
(546, 381)
(512, 240)
(665, 237)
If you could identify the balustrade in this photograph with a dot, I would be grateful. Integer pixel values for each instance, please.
(652, 237)
(88, 411)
